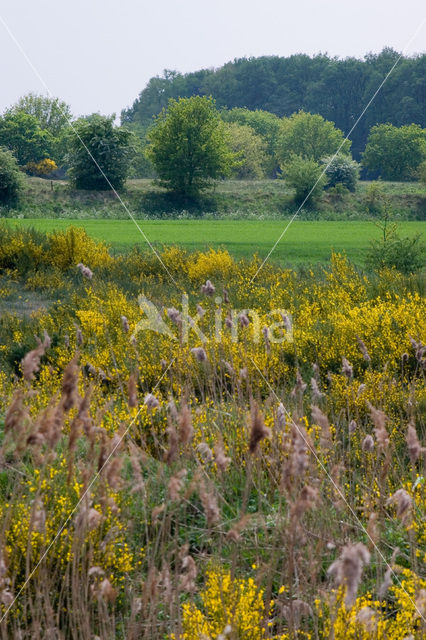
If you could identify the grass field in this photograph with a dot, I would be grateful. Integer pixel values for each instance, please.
(305, 241)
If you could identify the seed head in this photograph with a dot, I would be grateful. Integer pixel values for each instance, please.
(151, 401)
(199, 354)
(403, 503)
(363, 349)
(125, 324)
(347, 569)
(31, 362)
(347, 368)
(85, 271)
(368, 444)
(258, 429)
(208, 289)
(413, 443)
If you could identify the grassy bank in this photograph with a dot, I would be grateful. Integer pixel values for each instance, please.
(256, 199)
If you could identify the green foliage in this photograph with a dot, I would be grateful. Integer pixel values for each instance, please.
(407, 255)
(250, 150)
(11, 179)
(374, 198)
(111, 147)
(21, 133)
(395, 153)
(141, 166)
(309, 136)
(341, 169)
(305, 176)
(52, 114)
(188, 146)
(266, 125)
(421, 172)
(336, 89)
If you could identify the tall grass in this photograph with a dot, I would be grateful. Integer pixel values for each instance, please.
(153, 488)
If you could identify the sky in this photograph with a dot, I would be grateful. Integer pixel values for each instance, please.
(98, 55)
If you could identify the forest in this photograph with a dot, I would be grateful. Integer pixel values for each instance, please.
(337, 89)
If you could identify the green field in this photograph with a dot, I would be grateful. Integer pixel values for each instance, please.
(304, 241)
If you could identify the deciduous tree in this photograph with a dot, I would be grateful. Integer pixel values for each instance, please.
(110, 146)
(395, 153)
(188, 146)
(310, 136)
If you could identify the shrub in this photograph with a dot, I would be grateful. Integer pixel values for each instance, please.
(214, 264)
(45, 280)
(237, 603)
(67, 248)
(404, 254)
(41, 169)
(407, 255)
(111, 150)
(250, 149)
(11, 179)
(341, 169)
(421, 172)
(374, 198)
(306, 177)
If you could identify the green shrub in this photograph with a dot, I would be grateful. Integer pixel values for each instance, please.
(250, 150)
(421, 172)
(341, 169)
(374, 198)
(11, 179)
(407, 255)
(404, 254)
(306, 177)
(110, 150)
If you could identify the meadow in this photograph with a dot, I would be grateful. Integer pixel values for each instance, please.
(304, 242)
(189, 454)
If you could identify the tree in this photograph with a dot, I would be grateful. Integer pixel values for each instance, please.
(264, 124)
(188, 146)
(336, 89)
(250, 150)
(421, 172)
(309, 136)
(110, 146)
(52, 114)
(141, 166)
(22, 134)
(395, 153)
(341, 169)
(11, 178)
(306, 177)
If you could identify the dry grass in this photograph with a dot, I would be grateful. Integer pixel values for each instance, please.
(244, 491)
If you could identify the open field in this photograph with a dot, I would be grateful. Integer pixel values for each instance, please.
(304, 242)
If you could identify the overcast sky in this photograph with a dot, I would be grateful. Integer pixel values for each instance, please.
(98, 54)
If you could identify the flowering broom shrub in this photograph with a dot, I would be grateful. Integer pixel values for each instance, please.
(167, 479)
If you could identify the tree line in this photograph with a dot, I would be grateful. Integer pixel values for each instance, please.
(337, 89)
(191, 143)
